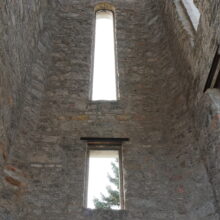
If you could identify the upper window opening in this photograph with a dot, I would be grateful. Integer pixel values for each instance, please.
(104, 85)
(192, 12)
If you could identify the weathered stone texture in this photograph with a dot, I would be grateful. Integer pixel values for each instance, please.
(21, 23)
(45, 82)
(22, 68)
(208, 120)
(195, 62)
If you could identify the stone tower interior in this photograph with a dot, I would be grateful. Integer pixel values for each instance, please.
(171, 163)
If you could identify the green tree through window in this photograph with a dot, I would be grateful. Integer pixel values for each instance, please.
(112, 200)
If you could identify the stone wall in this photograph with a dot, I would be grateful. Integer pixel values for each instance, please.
(195, 62)
(21, 24)
(164, 175)
(22, 73)
(208, 122)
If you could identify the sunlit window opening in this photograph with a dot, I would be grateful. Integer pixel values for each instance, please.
(104, 68)
(193, 12)
(104, 180)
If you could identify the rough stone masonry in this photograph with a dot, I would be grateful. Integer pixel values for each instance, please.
(171, 163)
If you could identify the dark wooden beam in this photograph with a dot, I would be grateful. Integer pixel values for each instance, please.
(103, 140)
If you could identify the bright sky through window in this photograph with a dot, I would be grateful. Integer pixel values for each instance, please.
(104, 69)
(99, 169)
(192, 11)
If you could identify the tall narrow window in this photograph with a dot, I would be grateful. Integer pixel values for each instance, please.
(104, 68)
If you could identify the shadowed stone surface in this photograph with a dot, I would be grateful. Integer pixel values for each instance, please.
(171, 162)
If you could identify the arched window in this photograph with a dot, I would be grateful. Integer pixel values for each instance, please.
(104, 84)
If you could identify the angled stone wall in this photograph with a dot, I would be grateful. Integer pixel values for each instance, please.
(21, 24)
(23, 63)
(195, 61)
(208, 122)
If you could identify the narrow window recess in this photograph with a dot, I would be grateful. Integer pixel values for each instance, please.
(192, 12)
(104, 82)
(104, 176)
(213, 80)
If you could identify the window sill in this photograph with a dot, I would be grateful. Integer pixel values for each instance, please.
(111, 212)
(104, 102)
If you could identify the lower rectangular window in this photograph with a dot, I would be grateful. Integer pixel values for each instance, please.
(104, 177)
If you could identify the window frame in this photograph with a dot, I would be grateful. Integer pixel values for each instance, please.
(105, 146)
(213, 79)
(104, 7)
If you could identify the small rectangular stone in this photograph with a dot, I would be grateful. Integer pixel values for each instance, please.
(36, 165)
